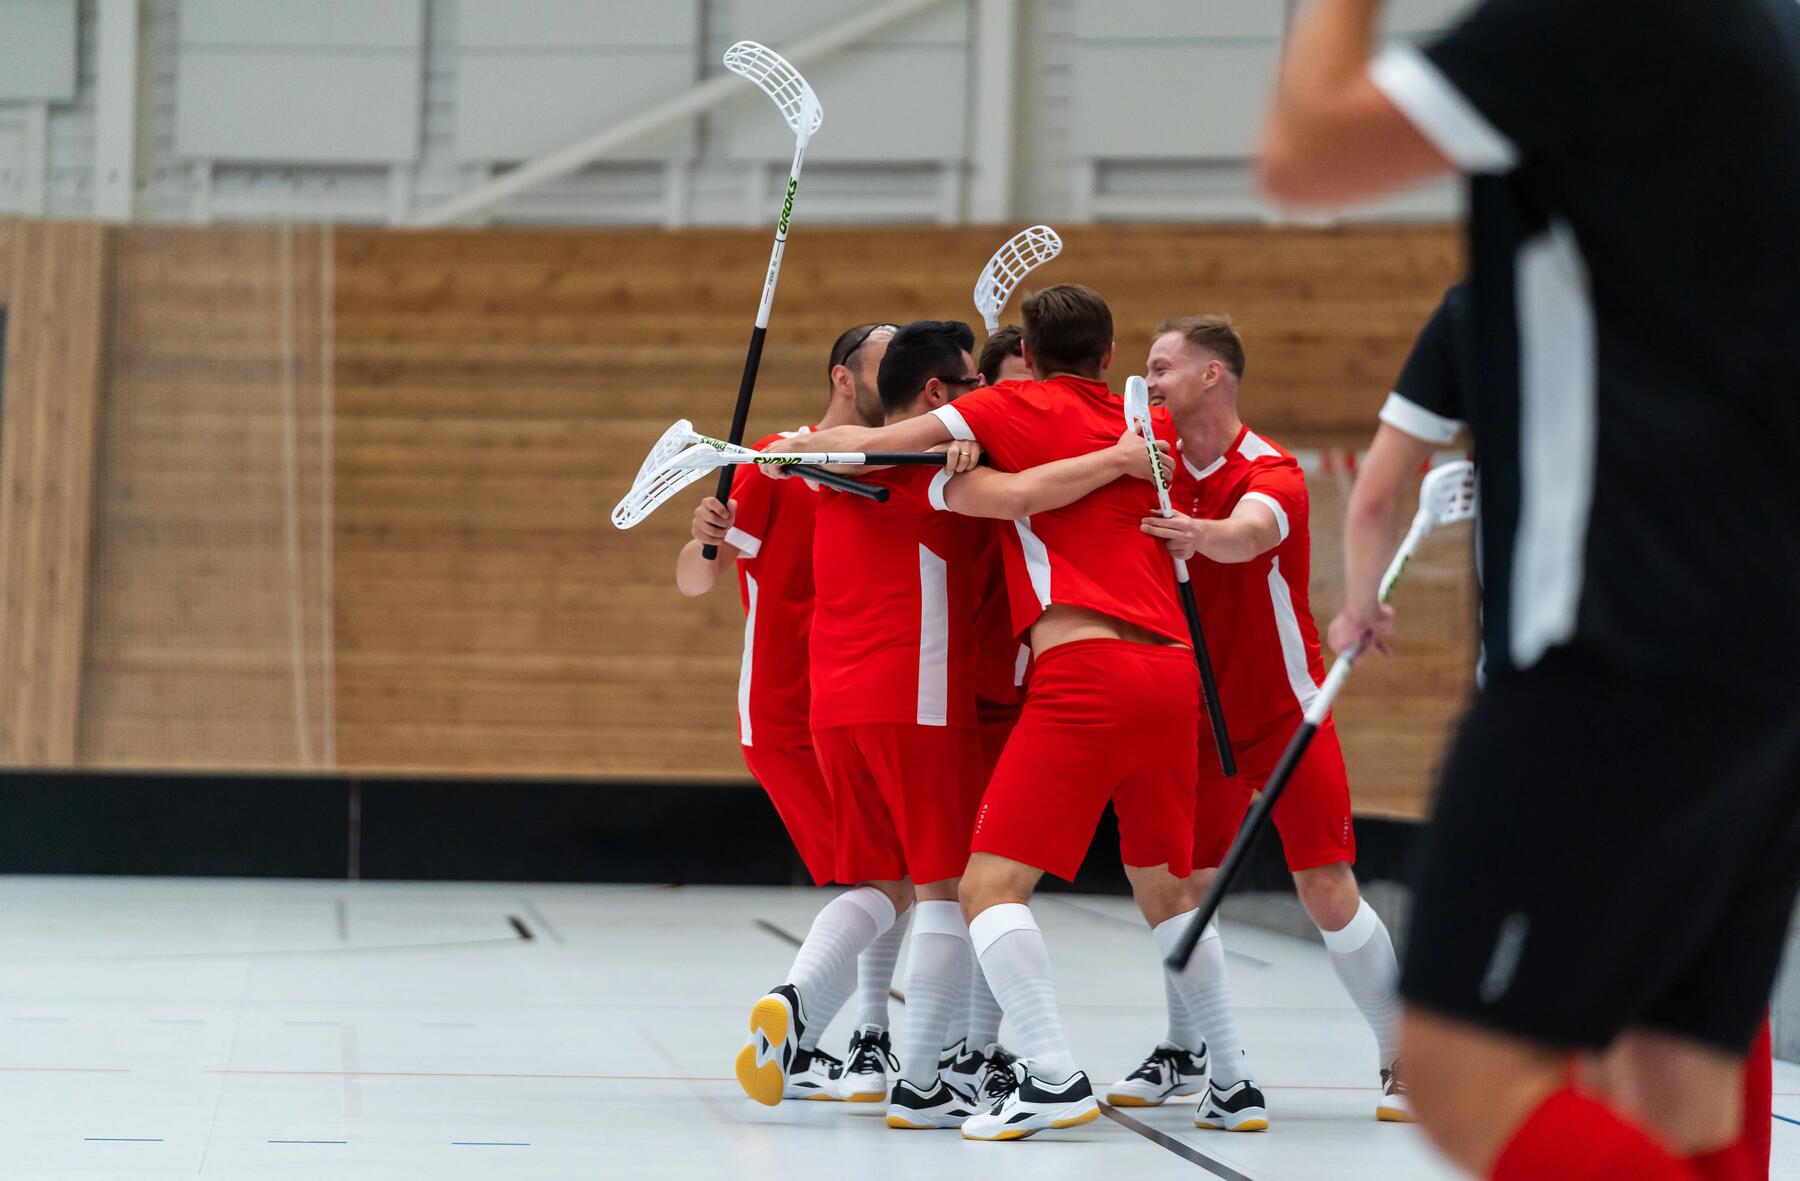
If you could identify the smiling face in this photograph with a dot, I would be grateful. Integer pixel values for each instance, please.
(1182, 375)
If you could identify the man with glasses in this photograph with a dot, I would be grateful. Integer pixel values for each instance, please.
(766, 534)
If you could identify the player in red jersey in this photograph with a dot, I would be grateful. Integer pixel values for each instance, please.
(767, 535)
(1112, 706)
(1242, 526)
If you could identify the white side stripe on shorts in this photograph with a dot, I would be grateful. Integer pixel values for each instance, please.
(744, 669)
(934, 639)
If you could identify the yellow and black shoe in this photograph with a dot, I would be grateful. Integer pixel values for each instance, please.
(1035, 1106)
(813, 1075)
(1237, 1108)
(1393, 1108)
(940, 1107)
(1170, 1072)
(763, 1064)
(867, 1064)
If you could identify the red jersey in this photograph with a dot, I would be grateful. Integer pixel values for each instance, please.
(773, 534)
(1259, 625)
(893, 636)
(1091, 553)
(1000, 660)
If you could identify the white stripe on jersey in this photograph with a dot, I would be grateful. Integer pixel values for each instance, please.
(1558, 408)
(1293, 646)
(1037, 559)
(1441, 112)
(1408, 417)
(1254, 447)
(934, 639)
(745, 736)
(1274, 506)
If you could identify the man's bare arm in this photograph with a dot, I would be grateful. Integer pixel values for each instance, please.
(1372, 524)
(1249, 532)
(1332, 136)
(694, 575)
(1010, 495)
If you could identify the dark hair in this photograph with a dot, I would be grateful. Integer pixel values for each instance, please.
(919, 352)
(846, 345)
(1210, 332)
(1002, 344)
(1068, 327)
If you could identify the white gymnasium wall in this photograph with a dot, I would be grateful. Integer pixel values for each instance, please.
(375, 110)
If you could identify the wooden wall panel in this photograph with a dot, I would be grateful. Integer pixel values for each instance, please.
(495, 390)
(54, 294)
(205, 631)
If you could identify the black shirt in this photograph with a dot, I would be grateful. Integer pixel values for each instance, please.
(1429, 396)
(1635, 303)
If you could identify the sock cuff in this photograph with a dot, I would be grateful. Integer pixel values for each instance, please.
(1359, 930)
(939, 918)
(1169, 932)
(999, 920)
(873, 903)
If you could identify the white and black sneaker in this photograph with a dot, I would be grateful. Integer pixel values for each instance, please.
(813, 1075)
(1169, 1072)
(1035, 1106)
(962, 1069)
(768, 1056)
(1237, 1108)
(941, 1107)
(867, 1064)
(1393, 1107)
(997, 1079)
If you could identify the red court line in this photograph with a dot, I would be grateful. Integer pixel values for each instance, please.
(604, 1078)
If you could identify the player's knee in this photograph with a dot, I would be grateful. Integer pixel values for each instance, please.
(899, 893)
(1329, 894)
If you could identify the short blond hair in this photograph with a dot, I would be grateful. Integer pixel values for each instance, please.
(1213, 333)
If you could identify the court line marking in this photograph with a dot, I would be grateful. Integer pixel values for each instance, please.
(544, 924)
(793, 940)
(123, 1139)
(261, 953)
(596, 1078)
(490, 1144)
(1784, 1119)
(308, 1142)
(1180, 1148)
(518, 925)
(343, 921)
(663, 1052)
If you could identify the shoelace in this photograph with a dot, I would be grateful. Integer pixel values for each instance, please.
(1003, 1079)
(1160, 1065)
(834, 1066)
(867, 1056)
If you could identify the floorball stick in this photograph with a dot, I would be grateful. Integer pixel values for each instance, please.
(1023, 253)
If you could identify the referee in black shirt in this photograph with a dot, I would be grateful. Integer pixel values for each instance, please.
(1616, 846)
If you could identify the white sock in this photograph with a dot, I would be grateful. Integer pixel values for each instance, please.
(847, 924)
(1017, 964)
(1184, 1031)
(875, 972)
(1362, 954)
(824, 1004)
(984, 1011)
(1207, 994)
(937, 980)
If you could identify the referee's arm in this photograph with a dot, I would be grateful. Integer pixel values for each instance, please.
(1332, 135)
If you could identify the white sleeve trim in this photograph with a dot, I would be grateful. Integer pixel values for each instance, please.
(746, 545)
(1412, 418)
(1281, 521)
(951, 417)
(935, 493)
(1441, 112)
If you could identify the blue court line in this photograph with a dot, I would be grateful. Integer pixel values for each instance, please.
(123, 1139)
(490, 1144)
(1786, 1120)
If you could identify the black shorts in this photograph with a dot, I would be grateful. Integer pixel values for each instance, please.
(1607, 854)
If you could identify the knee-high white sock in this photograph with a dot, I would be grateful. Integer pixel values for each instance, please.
(1184, 1031)
(937, 981)
(1017, 965)
(875, 973)
(1362, 954)
(984, 1010)
(847, 924)
(824, 1004)
(1207, 994)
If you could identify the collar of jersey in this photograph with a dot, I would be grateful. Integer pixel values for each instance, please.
(1215, 465)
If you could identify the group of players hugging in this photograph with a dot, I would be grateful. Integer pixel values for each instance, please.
(942, 693)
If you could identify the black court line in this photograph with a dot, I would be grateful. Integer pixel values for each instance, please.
(543, 924)
(1180, 1148)
(518, 925)
(1136, 926)
(793, 940)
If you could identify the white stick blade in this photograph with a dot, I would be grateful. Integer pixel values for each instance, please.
(780, 81)
(1137, 405)
(674, 441)
(1448, 493)
(1023, 253)
(650, 494)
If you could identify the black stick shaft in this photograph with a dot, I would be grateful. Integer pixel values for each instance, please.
(740, 417)
(1209, 685)
(850, 484)
(1254, 824)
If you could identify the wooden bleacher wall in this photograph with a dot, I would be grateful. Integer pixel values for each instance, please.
(493, 391)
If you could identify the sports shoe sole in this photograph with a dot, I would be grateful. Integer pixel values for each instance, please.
(1121, 1099)
(866, 1097)
(1254, 1124)
(764, 1079)
(1393, 1115)
(1085, 1116)
(902, 1123)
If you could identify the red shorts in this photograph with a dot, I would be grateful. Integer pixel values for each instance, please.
(996, 723)
(788, 771)
(1313, 814)
(1103, 720)
(903, 797)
